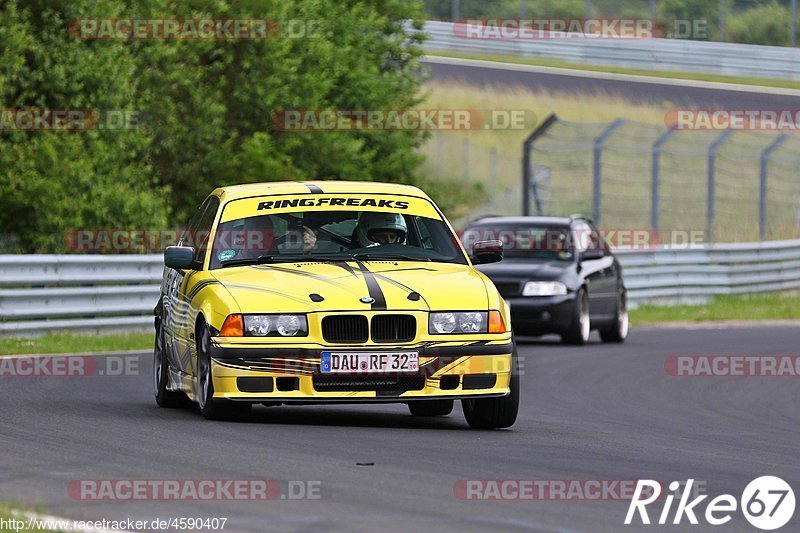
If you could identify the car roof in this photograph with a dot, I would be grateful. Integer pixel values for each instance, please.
(545, 221)
(233, 192)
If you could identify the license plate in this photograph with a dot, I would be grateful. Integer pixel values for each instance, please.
(369, 363)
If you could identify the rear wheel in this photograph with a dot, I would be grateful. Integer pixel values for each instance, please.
(211, 408)
(579, 329)
(164, 396)
(431, 407)
(495, 413)
(618, 332)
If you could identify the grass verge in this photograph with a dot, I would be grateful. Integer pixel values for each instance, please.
(683, 75)
(69, 343)
(7, 517)
(767, 306)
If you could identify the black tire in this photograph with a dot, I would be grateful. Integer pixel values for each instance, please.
(495, 413)
(431, 407)
(618, 332)
(164, 397)
(210, 408)
(580, 327)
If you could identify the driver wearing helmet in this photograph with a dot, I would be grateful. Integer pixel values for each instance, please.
(375, 229)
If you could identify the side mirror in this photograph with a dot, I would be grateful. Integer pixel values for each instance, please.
(593, 253)
(487, 252)
(179, 257)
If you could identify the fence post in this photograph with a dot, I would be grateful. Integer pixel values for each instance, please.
(493, 169)
(526, 166)
(465, 157)
(762, 185)
(655, 194)
(713, 150)
(597, 170)
(439, 155)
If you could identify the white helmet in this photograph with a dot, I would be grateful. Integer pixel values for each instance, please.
(370, 223)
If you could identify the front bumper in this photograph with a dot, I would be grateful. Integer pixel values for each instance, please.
(536, 315)
(291, 374)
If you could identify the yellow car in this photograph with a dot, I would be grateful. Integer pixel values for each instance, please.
(331, 292)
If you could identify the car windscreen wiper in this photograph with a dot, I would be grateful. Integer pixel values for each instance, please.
(388, 257)
(265, 259)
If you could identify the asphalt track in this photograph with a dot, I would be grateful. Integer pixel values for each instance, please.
(600, 412)
(640, 89)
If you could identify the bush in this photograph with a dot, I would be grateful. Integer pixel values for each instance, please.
(764, 24)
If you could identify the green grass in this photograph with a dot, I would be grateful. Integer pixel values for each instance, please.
(767, 306)
(68, 343)
(696, 76)
(6, 514)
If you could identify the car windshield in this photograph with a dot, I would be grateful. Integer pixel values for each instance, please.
(333, 235)
(548, 242)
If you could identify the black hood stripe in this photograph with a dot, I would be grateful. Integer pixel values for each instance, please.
(313, 188)
(373, 287)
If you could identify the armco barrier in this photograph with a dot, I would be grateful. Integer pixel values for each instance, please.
(650, 54)
(91, 293)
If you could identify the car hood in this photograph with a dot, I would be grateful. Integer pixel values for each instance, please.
(519, 269)
(286, 287)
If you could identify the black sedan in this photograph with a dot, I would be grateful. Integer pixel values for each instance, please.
(558, 275)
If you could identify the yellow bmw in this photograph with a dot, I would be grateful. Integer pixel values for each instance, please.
(331, 292)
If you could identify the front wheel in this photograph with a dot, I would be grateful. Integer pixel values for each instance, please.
(495, 413)
(211, 408)
(579, 329)
(431, 407)
(618, 332)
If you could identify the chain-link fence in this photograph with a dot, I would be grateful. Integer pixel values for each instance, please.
(730, 185)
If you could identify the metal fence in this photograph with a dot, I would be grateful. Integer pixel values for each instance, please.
(729, 186)
(736, 186)
(649, 54)
(99, 293)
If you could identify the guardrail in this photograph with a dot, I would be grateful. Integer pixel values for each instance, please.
(695, 275)
(650, 54)
(78, 293)
(95, 293)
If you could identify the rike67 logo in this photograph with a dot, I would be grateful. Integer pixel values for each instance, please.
(767, 503)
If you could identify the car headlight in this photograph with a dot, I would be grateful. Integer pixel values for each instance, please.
(275, 325)
(458, 322)
(544, 288)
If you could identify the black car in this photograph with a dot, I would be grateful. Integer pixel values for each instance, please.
(557, 274)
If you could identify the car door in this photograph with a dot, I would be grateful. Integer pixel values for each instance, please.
(177, 315)
(597, 271)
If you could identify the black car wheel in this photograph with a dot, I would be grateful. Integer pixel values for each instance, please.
(618, 331)
(209, 407)
(495, 413)
(431, 407)
(579, 329)
(164, 396)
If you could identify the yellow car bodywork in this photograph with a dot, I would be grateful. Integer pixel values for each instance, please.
(193, 298)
